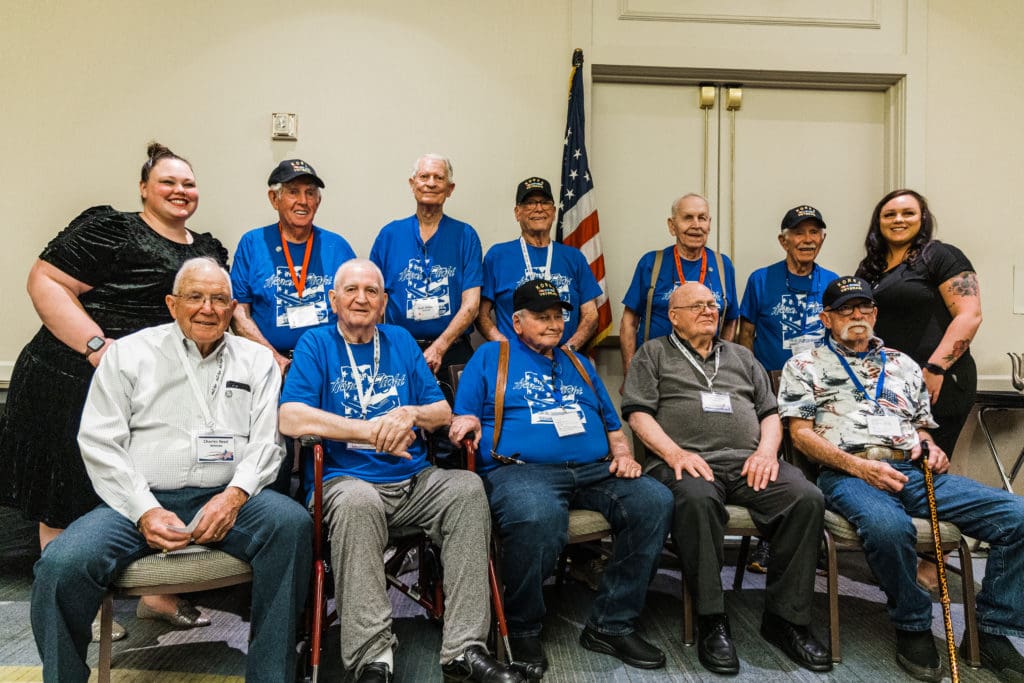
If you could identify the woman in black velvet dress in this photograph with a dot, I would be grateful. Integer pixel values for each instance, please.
(103, 276)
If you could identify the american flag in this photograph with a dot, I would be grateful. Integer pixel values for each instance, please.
(577, 205)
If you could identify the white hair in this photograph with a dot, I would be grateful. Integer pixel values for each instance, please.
(278, 189)
(689, 195)
(199, 263)
(361, 263)
(448, 168)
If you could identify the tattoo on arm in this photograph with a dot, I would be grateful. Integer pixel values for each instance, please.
(959, 349)
(964, 284)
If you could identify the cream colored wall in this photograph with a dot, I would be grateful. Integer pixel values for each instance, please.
(974, 148)
(85, 86)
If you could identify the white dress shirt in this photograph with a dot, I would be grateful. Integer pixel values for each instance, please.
(142, 418)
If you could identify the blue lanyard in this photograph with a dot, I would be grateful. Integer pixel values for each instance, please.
(853, 377)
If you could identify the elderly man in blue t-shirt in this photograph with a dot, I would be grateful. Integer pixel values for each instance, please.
(282, 272)
(432, 270)
(366, 388)
(559, 444)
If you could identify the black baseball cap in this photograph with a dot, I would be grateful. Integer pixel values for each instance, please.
(290, 169)
(537, 296)
(799, 214)
(846, 289)
(533, 185)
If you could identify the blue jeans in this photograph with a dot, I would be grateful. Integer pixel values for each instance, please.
(530, 506)
(883, 521)
(272, 533)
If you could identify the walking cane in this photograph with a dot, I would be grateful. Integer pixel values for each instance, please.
(947, 619)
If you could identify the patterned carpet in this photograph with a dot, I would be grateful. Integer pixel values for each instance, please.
(153, 652)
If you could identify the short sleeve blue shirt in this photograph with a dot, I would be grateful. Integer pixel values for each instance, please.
(321, 377)
(435, 273)
(261, 279)
(504, 271)
(535, 386)
(636, 296)
(784, 309)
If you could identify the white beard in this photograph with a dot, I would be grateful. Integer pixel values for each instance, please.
(844, 331)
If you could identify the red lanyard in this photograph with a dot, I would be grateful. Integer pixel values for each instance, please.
(703, 265)
(300, 284)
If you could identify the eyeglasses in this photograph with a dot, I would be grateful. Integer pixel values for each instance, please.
(847, 309)
(537, 203)
(217, 301)
(699, 307)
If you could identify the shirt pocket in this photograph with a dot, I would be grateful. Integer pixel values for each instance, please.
(236, 411)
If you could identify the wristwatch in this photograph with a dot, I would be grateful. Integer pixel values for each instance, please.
(934, 369)
(94, 345)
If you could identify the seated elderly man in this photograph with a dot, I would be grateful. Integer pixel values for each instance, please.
(366, 387)
(861, 410)
(180, 428)
(706, 409)
(549, 440)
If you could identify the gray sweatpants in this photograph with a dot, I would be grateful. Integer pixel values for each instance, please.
(451, 507)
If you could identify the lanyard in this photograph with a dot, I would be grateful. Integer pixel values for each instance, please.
(693, 361)
(364, 398)
(190, 373)
(853, 377)
(529, 266)
(703, 265)
(300, 285)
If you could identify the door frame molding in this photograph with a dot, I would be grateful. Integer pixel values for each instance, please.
(894, 85)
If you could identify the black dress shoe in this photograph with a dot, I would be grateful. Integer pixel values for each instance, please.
(476, 664)
(528, 657)
(375, 672)
(916, 654)
(797, 642)
(1000, 656)
(631, 649)
(714, 645)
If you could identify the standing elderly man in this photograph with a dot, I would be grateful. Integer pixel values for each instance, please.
(366, 388)
(283, 271)
(180, 424)
(550, 440)
(781, 303)
(862, 411)
(779, 313)
(688, 260)
(705, 407)
(511, 264)
(432, 270)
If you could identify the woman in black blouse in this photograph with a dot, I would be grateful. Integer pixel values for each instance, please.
(929, 307)
(103, 277)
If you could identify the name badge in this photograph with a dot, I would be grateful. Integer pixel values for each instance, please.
(883, 425)
(215, 448)
(302, 316)
(427, 308)
(713, 402)
(801, 344)
(567, 422)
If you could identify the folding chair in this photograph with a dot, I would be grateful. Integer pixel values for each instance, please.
(167, 574)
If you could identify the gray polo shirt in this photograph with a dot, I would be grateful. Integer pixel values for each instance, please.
(663, 383)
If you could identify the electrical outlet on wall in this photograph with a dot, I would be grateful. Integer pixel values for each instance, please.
(284, 126)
